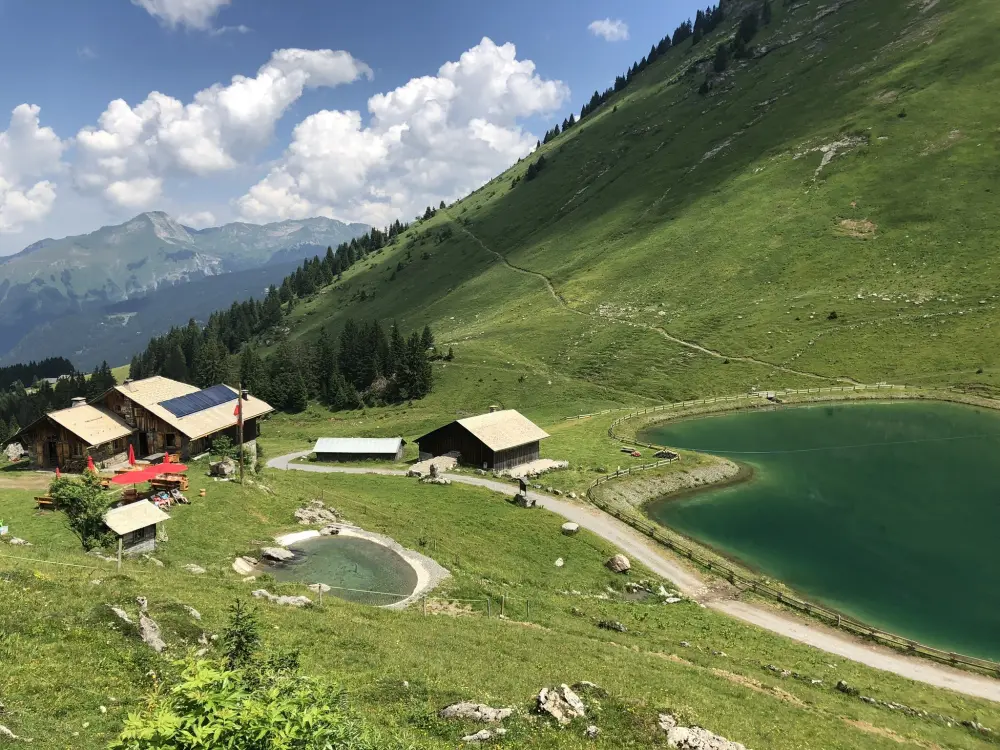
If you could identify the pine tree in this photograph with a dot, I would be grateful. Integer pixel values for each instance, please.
(427, 339)
(766, 12)
(721, 58)
(175, 367)
(211, 365)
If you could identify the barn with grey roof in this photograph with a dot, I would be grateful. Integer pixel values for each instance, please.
(497, 440)
(359, 449)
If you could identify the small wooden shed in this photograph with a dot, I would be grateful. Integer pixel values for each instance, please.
(359, 449)
(498, 440)
(135, 525)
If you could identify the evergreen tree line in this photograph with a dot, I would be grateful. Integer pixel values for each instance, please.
(739, 46)
(51, 367)
(705, 22)
(20, 406)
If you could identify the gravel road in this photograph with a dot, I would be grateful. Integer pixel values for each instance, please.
(661, 561)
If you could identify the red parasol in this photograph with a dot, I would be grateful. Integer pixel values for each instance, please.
(147, 472)
(90, 464)
(131, 455)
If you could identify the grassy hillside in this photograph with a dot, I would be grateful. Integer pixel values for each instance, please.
(669, 217)
(64, 655)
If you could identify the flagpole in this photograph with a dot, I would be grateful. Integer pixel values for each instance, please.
(239, 421)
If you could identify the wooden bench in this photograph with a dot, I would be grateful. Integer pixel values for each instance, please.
(45, 503)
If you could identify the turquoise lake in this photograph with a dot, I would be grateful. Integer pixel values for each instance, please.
(886, 512)
(352, 565)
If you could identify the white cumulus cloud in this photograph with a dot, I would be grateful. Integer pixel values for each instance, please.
(195, 14)
(126, 156)
(198, 219)
(611, 30)
(432, 139)
(28, 153)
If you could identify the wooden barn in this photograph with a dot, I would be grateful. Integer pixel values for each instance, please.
(498, 440)
(359, 449)
(66, 437)
(173, 417)
(154, 415)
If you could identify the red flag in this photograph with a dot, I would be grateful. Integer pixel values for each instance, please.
(238, 411)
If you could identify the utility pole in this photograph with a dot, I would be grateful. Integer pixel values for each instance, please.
(239, 422)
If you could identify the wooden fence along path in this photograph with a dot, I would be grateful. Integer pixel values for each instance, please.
(741, 579)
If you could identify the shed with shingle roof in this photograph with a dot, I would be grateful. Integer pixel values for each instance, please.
(135, 525)
(497, 440)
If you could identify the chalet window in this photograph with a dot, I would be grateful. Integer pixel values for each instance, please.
(171, 439)
(77, 450)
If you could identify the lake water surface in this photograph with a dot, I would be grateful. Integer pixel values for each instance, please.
(348, 562)
(886, 512)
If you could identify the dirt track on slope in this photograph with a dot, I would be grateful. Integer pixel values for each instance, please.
(688, 581)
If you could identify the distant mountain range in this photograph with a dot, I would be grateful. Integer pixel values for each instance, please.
(51, 279)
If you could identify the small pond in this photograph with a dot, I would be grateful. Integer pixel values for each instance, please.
(347, 562)
(887, 512)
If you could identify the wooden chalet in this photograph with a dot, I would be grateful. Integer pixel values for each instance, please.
(154, 415)
(66, 437)
(498, 440)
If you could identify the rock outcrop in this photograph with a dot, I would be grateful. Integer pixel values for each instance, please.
(277, 554)
(287, 601)
(561, 703)
(618, 564)
(694, 738)
(244, 565)
(193, 569)
(485, 735)
(475, 712)
(316, 514)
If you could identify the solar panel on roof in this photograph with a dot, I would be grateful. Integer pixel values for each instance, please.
(193, 403)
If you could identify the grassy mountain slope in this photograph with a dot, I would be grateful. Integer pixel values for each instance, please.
(720, 221)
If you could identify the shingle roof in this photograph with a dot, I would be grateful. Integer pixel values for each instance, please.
(500, 430)
(149, 393)
(358, 445)
(132, 517)
(91, 424)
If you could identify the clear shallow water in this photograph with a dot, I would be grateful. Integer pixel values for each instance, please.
(348, 563)
(887, 512)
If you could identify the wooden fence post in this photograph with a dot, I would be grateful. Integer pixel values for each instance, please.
(489, 608)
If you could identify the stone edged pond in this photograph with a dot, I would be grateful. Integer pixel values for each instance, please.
(888, 512)
(352, 565)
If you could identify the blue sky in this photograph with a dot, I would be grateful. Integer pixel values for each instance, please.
(430, 141)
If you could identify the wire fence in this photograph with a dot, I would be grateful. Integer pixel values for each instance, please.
(738, 577)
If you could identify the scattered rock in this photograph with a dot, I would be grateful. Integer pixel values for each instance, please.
(572, 496)
(9, 735)
(288, 601)
(224, 468)
(143, 603)
(249, 579)
(435, 479)
(523, 501)
(18, 542)
(591, 732)
(244, 565)
(845, 688)
(329, 530)
(694, 738)
(485, 735)
(195, 614)
(475, 712)
(319, 588)
(618, 564)
(569, 528)
(561, 703)
(149, 631)
(277, 554)
(98, 554)
(316, 513)
(194, 569)
(612, 625)
(121, 614)
(157, 563)
(440, 464)
(560, 562)
(685, 644)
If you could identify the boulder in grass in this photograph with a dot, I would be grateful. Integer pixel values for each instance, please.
(475, 712)
(277, 554)
(287, 601)
(561, 703)
(569, 528)
(618, 564)
(244, 565)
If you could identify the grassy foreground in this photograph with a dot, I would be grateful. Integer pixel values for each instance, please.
(64, 656)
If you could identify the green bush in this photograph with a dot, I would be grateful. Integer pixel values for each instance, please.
(85, 503)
